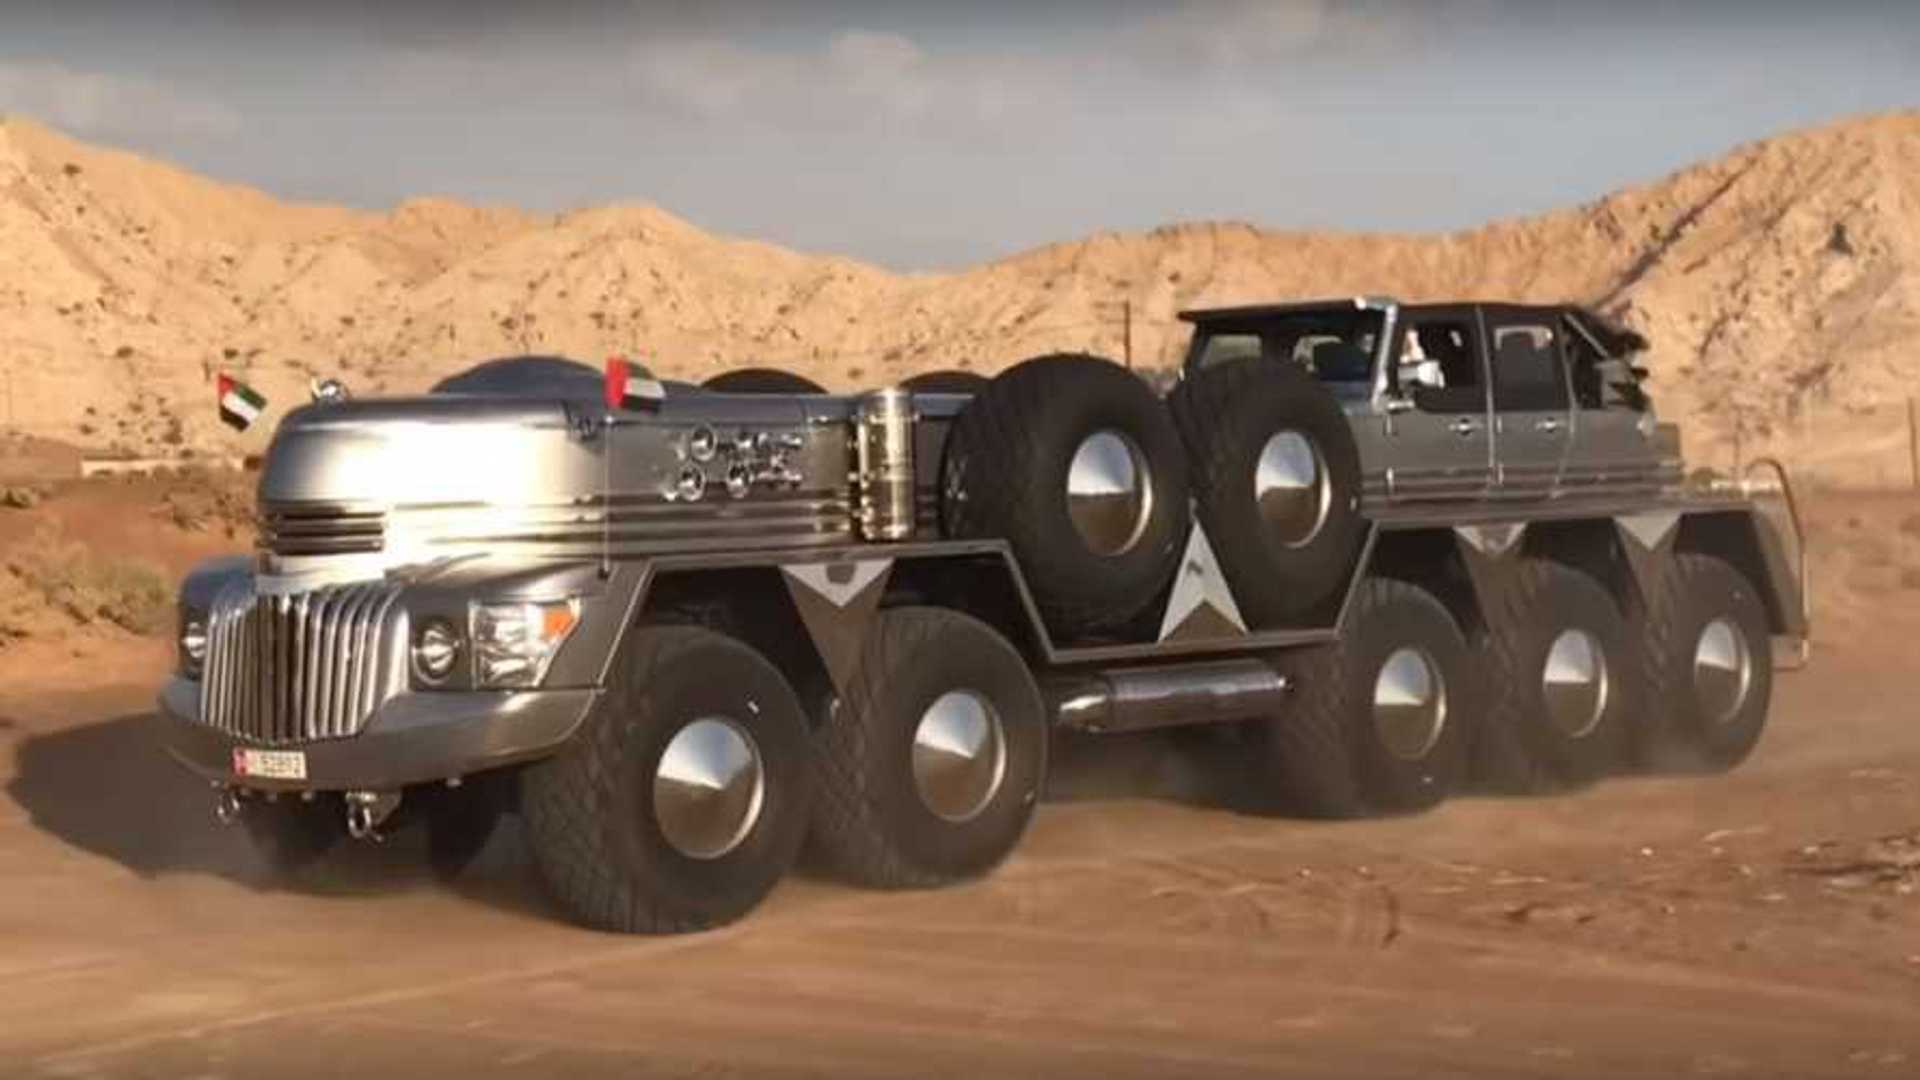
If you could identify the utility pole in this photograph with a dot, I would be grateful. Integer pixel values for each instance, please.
(13, 363)
(1913, 441)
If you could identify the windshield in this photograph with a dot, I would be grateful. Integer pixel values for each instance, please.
(1336, 345)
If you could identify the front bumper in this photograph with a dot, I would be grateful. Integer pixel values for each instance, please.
(414, 738)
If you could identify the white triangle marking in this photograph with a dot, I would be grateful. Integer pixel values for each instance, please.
(1199, 581)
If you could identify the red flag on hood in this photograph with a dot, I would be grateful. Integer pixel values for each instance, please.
(630, 387)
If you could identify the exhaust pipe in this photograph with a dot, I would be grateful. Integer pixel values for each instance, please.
(1174, 695)
(367, 811)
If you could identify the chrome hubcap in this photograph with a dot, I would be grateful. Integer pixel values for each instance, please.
(1290, 486)
(1109, 496)
(1409, 704)
(1575, 682)
(959, 755)
(1722, 670)
(709, 788)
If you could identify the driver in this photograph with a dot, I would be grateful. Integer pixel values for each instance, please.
(1415, 368)
(1411, 351)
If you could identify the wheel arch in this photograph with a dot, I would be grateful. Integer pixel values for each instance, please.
(1739, 537)
(750, 603)
(1622, 552)
(810, 616)
(1431, 558)
(1592, 546)
(983, 586)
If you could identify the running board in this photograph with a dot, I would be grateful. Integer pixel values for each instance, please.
(1162, 696)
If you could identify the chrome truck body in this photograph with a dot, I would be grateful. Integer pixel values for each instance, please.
(376, 517)
(450, 585)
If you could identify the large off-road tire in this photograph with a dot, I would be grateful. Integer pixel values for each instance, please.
(931, 764)
(1276, 474)
(1377, 722)
(946, 381)
(1709, 666)
(1561, 669)
(292, 834)
(759, 380)
(1074, 461)
(684, 797)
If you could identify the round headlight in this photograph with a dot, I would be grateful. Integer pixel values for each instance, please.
(193, 640)
(436, 648)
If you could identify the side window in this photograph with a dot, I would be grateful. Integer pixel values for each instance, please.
(1440, 368)
(1333, 359)
(1528, 375)
(1599, 382)
(1223, 348)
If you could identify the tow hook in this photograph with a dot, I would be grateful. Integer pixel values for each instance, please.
(226, 805)
(367, 811)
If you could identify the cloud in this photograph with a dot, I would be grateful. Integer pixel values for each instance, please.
(855, 78)
(98, 104)
(1230, 37)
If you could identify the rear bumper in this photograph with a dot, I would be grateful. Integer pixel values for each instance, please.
(413, 738)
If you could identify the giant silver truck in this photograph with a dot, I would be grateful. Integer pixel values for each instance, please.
(1393, 551)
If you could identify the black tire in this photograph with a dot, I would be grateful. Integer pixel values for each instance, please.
(759, 380)
(592, 814)
(1520, 748)
(1690, 726)
(947, 381)
(874, 823)
(1005, 474)
(292, 834)
(1333, 753)
(1286, 557)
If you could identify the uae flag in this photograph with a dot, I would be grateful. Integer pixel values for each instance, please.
(630, 387)
(240, 404)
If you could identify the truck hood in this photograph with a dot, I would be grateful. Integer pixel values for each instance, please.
(401, 451)
(364, 487)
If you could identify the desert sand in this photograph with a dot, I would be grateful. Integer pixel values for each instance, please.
(1774, 283)
(1764, 923)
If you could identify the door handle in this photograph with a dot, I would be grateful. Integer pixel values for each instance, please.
(1549, 425)
(1464, 427)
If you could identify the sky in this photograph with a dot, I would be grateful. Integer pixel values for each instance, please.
(934, 135)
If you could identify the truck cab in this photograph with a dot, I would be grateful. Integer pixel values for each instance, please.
(1458, 402)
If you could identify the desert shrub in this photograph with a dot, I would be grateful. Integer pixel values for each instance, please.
(210, 499)
(89, 587)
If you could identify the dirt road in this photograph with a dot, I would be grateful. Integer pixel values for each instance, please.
(1758, 925)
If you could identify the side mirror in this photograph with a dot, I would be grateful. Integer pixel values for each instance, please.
(1397, 403)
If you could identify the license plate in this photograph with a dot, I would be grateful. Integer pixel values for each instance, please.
(270, 764)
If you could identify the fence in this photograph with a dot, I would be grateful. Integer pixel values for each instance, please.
(1826, 446)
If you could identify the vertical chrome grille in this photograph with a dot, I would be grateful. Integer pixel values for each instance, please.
(297, 668)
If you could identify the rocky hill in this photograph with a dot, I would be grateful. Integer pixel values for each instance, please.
(1771, 281)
